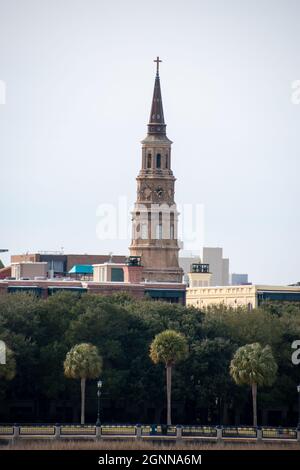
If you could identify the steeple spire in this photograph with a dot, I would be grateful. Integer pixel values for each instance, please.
(157, 122)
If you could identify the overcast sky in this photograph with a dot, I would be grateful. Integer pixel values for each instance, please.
(79, 78)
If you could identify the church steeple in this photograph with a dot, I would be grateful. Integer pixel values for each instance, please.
(155, 216)
(156, 121)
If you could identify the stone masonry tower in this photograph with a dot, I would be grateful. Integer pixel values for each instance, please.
(154, 218)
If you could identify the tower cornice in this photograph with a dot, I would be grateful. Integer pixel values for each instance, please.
(157, 140)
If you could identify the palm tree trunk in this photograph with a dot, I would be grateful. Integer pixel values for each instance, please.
(169, 387)
(254, 402)
(82, 401)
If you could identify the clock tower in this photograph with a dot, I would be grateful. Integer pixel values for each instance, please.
(155, 216)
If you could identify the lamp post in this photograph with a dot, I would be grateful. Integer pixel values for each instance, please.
(219, 410)
(298, 390)
(99, 386)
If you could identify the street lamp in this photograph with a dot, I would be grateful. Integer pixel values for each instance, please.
(99, 386)
(219, 409)
(298, 390)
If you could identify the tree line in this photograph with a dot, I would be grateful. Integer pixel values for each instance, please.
(207, 361)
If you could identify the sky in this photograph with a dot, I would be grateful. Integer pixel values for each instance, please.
(79, 78)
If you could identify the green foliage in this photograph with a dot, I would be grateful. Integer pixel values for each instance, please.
(1, 264)
(281, 308)
(241, 326)
(83, 362)
(168, 347)
(210, 361)
(253, 364)
(40, 332)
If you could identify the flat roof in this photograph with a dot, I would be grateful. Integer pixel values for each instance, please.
(29, 262)
(108, 263)
(257, 287)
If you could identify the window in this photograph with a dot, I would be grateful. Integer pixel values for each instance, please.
(172, 232)
(144, 232)
(149, 160)
(136, 226)
(117, 275)
(158, 160)
(167, 161)
(136, 231)
(159, 231)
(172, 226)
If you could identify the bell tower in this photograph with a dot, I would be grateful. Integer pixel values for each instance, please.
(155, 216)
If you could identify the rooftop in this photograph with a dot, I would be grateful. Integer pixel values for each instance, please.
(82, 269)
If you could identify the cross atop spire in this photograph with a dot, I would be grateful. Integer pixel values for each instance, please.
(157, 60)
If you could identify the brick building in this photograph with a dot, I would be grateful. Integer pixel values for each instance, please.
(60, 264)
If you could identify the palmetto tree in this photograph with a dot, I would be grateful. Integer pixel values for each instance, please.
(7, 370)
(168, 347)
(253, 365)
(83, 362)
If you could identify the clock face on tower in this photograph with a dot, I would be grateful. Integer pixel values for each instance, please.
(159, 192)
(156, 191)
